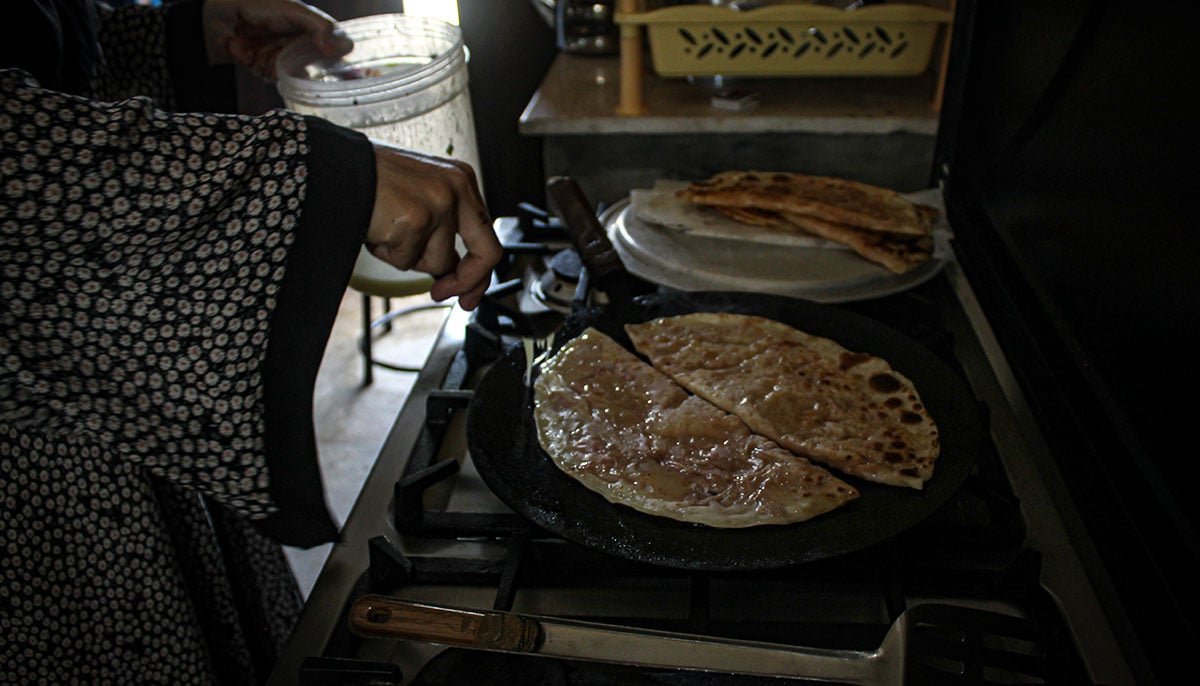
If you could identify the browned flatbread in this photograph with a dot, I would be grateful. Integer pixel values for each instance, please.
(840, 201)
(847, 410)
(756, 217)
(630, 433)
(896, 252)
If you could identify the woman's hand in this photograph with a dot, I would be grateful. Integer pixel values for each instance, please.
(423, 204)
(252, 32)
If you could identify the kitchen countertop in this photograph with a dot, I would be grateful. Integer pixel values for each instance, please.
(579, 95)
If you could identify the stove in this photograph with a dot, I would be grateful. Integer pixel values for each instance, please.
(997, 589)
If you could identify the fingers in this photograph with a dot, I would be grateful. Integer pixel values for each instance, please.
(474, 272)
(423, 206)
(469, 282)
(252, 32)
(438, 257)
(334, 44)
(283, 17)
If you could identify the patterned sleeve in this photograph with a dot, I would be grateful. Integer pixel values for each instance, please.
(133, 40)
(159, 52)
(167, 283)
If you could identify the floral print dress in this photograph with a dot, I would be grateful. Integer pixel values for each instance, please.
(167, 283)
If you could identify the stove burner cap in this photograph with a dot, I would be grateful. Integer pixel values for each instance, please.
(567, 265)
(555, 288)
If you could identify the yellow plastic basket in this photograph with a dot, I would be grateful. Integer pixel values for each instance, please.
(791, 40)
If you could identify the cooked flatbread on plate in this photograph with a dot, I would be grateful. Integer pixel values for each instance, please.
(896, 252)
(841, 201)
(660, 206)
(757, 217)
(628, 432)
(878, 224)
(846, 410)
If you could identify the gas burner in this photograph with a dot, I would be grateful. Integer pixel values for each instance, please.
(556, 287)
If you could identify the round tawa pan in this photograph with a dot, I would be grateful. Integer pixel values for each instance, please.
(504, 446)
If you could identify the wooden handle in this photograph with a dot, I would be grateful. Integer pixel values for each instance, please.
(375, 616)
(581, 224)
(630, 103)
(939, 93)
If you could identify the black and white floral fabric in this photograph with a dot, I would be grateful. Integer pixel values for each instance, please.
(166, 284)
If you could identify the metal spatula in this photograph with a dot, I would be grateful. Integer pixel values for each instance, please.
(943, 646)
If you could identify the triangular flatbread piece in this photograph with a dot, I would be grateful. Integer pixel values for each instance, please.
(841, 201)
(846, 410)
(896, 252)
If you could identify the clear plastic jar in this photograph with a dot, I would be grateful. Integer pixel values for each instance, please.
(405, 83)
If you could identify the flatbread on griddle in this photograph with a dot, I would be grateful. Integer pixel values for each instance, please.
(630, 433)
(846, 410)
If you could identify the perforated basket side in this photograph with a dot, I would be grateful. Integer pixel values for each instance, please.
(792, 40)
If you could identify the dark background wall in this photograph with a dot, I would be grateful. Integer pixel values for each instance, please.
(1069, 186)
(511, 48)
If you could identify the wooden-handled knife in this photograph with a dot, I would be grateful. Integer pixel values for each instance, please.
(378, 616)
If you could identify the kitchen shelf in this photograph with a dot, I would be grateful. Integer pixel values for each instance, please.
(580, 95)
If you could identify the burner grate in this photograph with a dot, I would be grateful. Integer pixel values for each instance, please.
(1024, 636)
(446, 547)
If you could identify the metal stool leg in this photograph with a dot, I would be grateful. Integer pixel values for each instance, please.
(384, 324)
(365, 343)
(374, 278)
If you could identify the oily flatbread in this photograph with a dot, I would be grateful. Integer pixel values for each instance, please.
(836, 200)
(631, 434)
(846, 410)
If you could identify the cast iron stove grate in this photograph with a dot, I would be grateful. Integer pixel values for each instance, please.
(970, 549)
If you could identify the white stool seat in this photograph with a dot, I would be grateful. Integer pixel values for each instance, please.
(374, 278)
